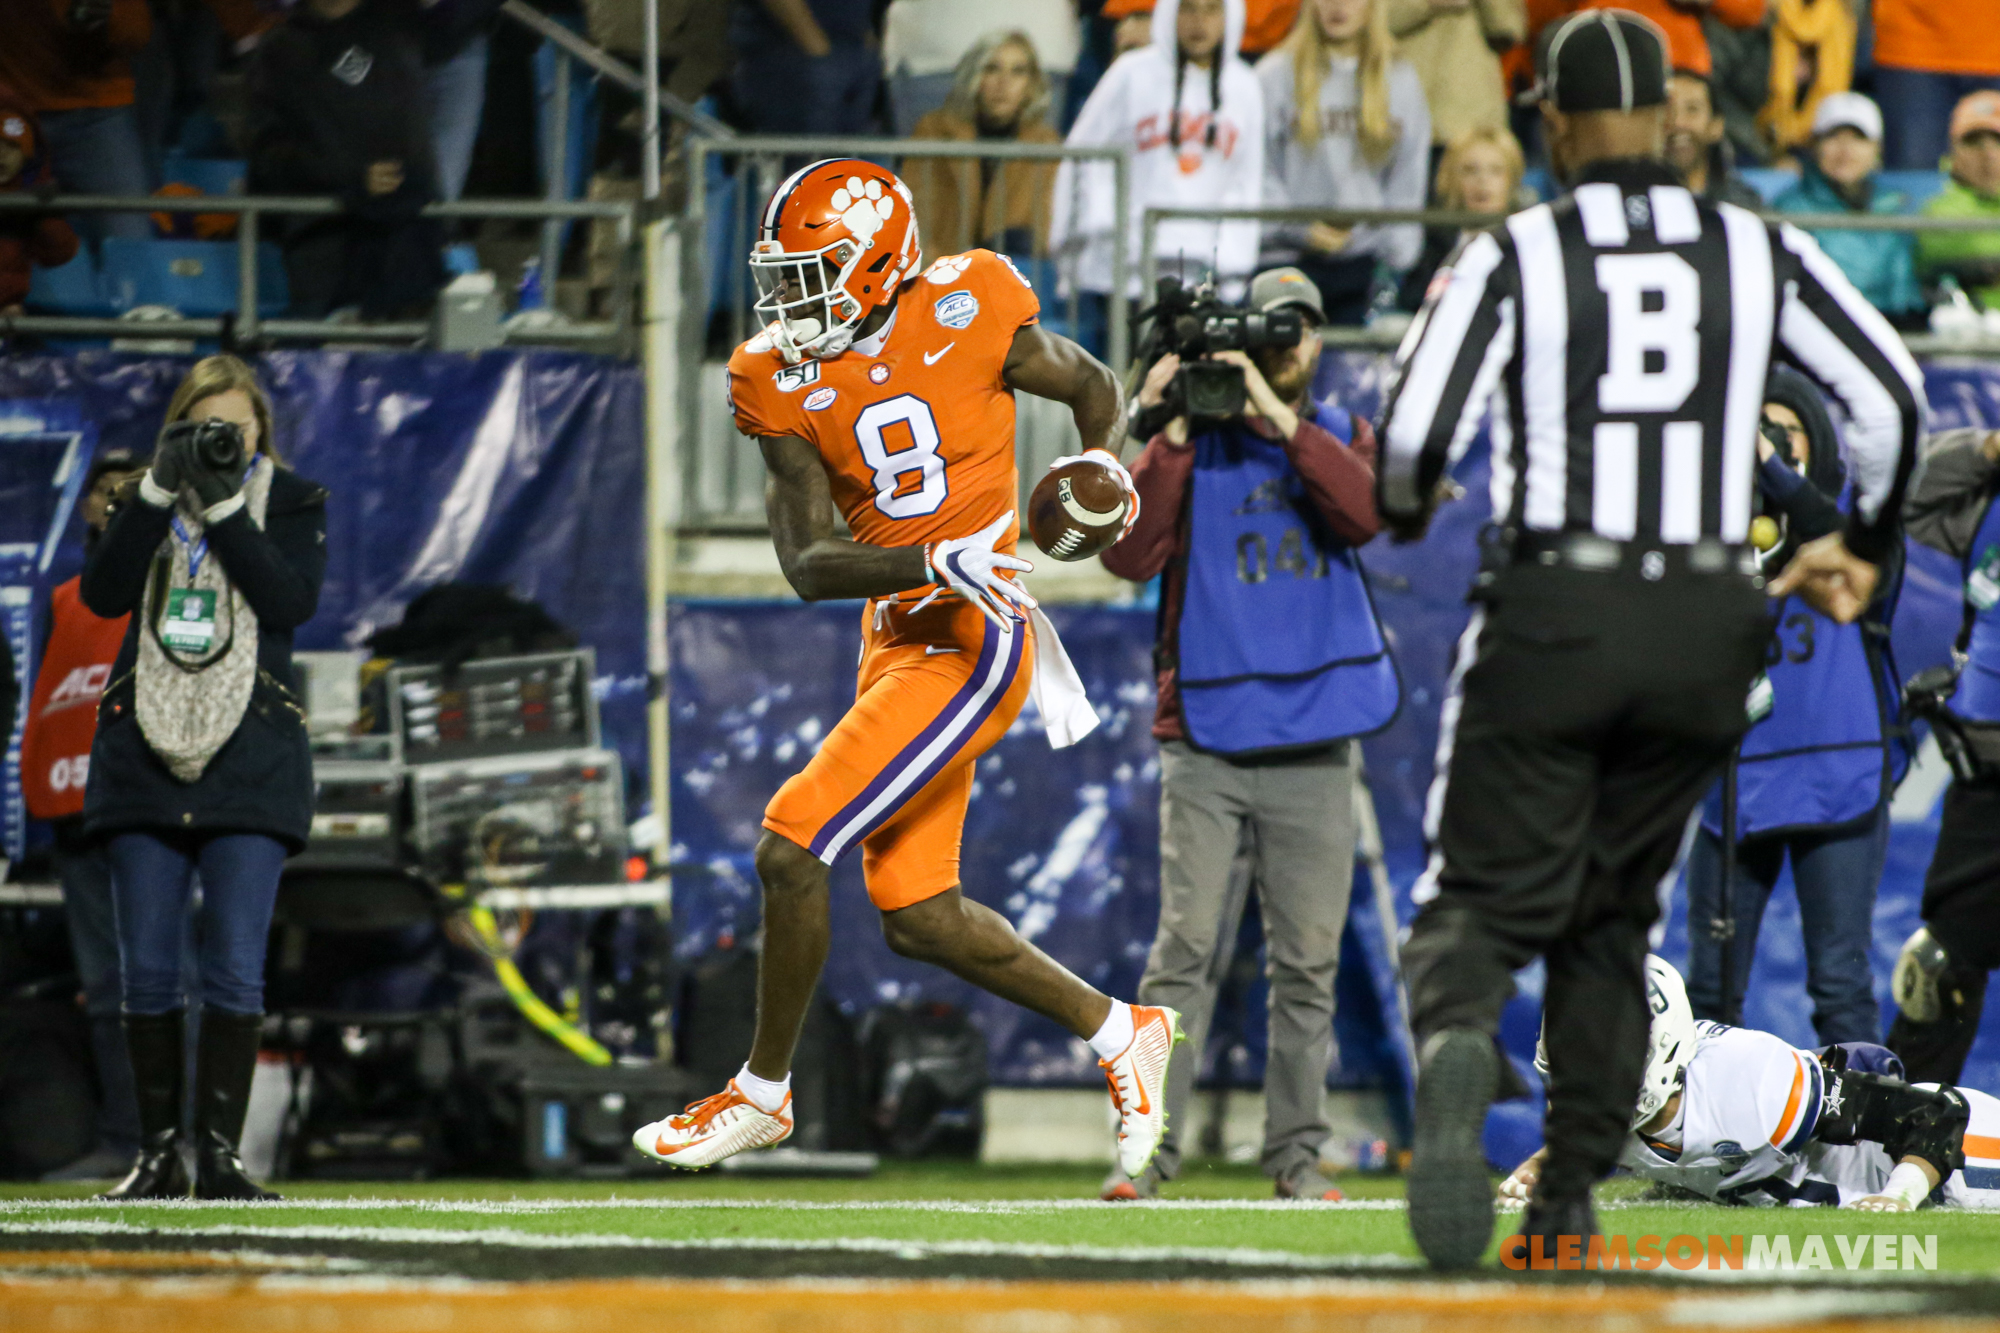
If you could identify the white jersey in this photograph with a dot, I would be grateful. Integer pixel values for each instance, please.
(1749, 1105)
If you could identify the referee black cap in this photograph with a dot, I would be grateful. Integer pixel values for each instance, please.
(1605, 60)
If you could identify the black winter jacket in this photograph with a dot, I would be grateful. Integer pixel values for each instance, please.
(261, 780)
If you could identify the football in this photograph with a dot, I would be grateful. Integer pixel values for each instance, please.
(1077, 510)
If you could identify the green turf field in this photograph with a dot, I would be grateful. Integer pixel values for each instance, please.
(963, 1209)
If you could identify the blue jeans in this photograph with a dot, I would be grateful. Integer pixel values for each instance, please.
(784, 91)
(1916, 113)
(151, 880)
(456, 91)
(96, 150)
(1835, 875)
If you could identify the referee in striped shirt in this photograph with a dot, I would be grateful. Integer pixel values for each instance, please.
(1618, 343)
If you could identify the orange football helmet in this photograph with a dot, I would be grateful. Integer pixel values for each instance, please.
(834, 243)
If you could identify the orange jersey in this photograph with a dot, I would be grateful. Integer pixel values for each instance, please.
(917, 438)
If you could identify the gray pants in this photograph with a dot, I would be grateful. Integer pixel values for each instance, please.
(1299, 817)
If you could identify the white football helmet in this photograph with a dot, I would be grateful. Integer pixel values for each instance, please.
(1669, 1042)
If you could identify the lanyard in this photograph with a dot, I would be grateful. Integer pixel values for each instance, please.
(198, 550)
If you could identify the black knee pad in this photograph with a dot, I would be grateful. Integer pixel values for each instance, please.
(1927, 1123)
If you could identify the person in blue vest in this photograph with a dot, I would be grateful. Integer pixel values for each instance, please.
(1270, 661)
(1940, 979)
(1813, 775)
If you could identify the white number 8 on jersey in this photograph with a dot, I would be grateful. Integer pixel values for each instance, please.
(891, 468)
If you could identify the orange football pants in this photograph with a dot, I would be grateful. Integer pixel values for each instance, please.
(937, 688)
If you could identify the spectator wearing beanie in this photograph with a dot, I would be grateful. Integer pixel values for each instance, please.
(69, 62)
(1839, 175)
(1345, 125)
(1930, 55)
(1680, 20)
(998, 94)
(1970, 257)
(25, 238)
(1455, 45)
(1267, 23)
(338, 106)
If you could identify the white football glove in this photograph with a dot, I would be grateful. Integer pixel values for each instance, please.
(1110, 460)
(974, 570)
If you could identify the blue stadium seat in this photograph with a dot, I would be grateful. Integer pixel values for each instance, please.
(210, 175)
(75, 288)
(1769, 181)
(197, 278)
(1917, 187)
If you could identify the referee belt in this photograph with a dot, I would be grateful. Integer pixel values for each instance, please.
(1602, 555)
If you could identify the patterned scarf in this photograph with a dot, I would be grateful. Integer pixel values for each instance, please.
(188, 708)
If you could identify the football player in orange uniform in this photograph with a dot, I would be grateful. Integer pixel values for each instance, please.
(883, 392)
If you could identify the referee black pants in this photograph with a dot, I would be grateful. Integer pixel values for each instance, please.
(1593, 711)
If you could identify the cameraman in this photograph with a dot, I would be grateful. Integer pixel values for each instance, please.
(1940, 979)
(201, 760)
(1269, 661)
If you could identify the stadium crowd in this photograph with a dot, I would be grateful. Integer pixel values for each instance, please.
(1870, 106)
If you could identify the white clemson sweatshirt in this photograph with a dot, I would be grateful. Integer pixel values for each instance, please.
(1134, 104)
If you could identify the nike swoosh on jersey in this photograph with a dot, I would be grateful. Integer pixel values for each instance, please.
(931, 358)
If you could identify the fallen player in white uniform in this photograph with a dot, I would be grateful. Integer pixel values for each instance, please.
(1742, 1117)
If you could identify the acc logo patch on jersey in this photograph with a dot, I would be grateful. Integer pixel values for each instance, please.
(793, 378)
(957, 309)
(820, 399)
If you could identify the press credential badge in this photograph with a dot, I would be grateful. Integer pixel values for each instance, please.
(189, 626)
(1982, 586)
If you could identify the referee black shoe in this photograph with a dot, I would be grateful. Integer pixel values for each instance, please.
(1451, 1197)
(1549, 1220)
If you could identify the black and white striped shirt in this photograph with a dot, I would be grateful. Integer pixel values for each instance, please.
(1621, 338)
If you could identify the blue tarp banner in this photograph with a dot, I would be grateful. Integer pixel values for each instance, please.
(527, 469)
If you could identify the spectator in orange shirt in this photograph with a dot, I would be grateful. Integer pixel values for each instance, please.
(1930, 54)
(69, 62)
(1687, 48)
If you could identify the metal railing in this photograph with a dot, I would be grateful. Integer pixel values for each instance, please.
(1360, 338)
(248, 324)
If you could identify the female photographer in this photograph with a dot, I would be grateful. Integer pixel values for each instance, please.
(1814, 773)
(201, 760)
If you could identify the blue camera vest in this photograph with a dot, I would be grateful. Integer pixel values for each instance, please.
(1978, 696)
(1829, 751)
(1279, 647)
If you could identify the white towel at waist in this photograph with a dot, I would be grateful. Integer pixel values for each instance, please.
(1057, 690)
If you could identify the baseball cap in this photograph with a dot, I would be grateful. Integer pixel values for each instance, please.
(1276, 287)
(1978, 111)
(112, 460)
(1850, 111)
(1605, 60)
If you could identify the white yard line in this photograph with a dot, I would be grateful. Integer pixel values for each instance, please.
(503, 1237)
(505, 1207)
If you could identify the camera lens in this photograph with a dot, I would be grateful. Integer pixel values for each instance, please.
(219, 444)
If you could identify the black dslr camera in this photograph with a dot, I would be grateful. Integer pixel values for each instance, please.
(1192, 322)
(215, 445)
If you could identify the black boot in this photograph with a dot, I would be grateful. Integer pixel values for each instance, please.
(225, 1062)
(1548, 1221)
(1451, 1197)
(154, 1043)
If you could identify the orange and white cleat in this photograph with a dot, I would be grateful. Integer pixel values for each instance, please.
(714, 1128)
(1138, 1079)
